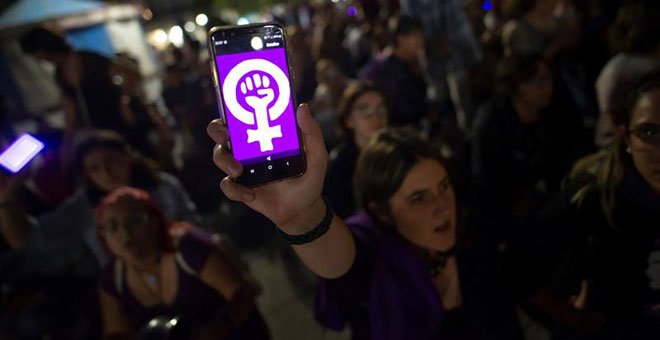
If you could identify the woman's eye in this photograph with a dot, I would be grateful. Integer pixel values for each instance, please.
(418, 199)
(648, 133)
(445, 185)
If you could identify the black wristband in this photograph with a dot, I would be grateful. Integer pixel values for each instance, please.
(313, 234)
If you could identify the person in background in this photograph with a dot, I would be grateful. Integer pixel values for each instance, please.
(398, 271)
(400, 75)
(534, 29)
(599, 240)
(331, 84)
(362, 114)
(452, 50)
(57, 251)
(302, 62)
(90, 97)
(511, 148)
(636, 36)
(168, 269)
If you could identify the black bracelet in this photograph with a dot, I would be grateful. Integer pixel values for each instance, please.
(313, 234)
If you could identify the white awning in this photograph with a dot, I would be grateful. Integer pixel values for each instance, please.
(26, 12)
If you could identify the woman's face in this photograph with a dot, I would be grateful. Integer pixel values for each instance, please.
(107, 168)
(537, 92)
(368, 116)
(424, 207)
(644, 138)
(130, 231)
(413, 43)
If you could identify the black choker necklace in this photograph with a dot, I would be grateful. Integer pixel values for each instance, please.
(438, 261)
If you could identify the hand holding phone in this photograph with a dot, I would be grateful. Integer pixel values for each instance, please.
(254, 89)
(292, 205)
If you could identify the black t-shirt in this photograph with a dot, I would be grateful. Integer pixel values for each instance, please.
(620, 262)
(404, 89)
(338, 186)
(514, 167)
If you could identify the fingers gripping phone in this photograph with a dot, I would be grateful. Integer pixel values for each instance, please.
(20, 153)
(255, 94)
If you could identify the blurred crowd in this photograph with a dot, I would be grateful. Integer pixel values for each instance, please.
(543, 116)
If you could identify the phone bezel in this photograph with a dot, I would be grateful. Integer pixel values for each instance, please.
(300, 162)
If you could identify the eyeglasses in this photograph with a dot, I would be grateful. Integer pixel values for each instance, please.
(368, 111)
(648, 133)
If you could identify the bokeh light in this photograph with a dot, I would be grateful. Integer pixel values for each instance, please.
(201, 19)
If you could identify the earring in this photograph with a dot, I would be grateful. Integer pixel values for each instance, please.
(628, 150)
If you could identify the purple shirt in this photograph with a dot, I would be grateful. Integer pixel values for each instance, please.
(195, 301)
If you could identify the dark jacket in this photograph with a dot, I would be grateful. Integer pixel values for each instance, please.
(620, 262)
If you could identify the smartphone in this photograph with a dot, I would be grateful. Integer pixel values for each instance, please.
(20, 153)
(253, 82)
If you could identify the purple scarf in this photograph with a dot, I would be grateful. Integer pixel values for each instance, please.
(403, 302)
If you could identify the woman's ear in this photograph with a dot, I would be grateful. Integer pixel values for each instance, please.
(381, 213)
(349, 121)
(621, 132)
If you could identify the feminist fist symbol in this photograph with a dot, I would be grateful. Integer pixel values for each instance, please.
(264, 133)
(259, 95)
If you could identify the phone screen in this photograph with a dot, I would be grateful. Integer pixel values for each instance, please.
(257, 100)
(20, 153)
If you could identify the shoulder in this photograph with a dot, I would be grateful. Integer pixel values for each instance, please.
(111, 278)
(580, 197)
(343, 152)
(615, 65)
(512, 29)
(194, 247)
(173, 199)
(494, 113)
(167, 180)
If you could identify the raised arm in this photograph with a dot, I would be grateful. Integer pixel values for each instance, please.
(294, 205)
(14, 223)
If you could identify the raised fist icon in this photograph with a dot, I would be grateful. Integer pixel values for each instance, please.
(255, 81)
(260, 85)
(259, 101)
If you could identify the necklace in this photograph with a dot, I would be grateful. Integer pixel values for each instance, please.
(152, 279)
(438, 261)
(151, 282)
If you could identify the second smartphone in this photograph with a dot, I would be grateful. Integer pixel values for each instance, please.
(256, 101)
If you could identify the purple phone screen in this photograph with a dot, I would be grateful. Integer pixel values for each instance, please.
(256, 95)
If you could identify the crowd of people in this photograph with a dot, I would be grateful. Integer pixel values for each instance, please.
(475, 170)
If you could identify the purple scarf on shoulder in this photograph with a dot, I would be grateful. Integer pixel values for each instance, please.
(403, 302)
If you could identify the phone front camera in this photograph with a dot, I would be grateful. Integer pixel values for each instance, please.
(257, 43)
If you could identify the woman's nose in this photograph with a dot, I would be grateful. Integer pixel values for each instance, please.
(123, 233)
(441, 204)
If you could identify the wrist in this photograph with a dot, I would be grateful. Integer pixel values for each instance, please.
(313, 234)
(306, 219)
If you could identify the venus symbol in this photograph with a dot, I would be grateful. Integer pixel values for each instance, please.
(253, 81)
